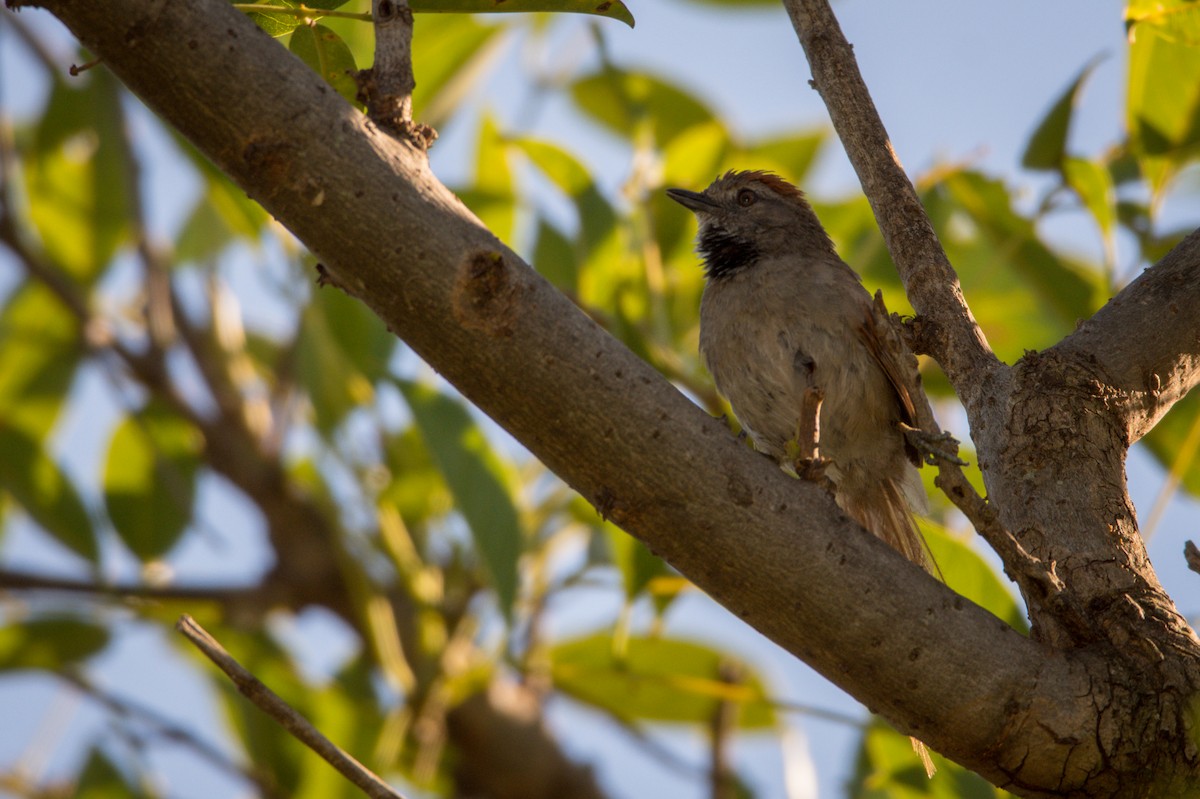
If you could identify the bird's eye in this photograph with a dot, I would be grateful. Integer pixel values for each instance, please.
(747, 198)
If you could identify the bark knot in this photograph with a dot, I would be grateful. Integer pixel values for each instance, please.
(486, 294)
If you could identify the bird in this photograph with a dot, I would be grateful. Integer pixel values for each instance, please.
(781, 315)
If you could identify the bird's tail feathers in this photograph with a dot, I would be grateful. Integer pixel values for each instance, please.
(885, 510)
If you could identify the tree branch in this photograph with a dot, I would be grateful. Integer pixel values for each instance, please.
(951, 335)
(1146, 340)
(772, 549)
(269, 702)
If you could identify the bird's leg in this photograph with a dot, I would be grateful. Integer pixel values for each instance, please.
(804, 450)
(932, 446)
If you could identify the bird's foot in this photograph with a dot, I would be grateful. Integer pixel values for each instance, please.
(933, 446)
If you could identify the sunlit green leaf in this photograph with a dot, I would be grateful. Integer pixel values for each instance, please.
(1163, 93)
(77, 179)
(150, 479)
(1047, 146)
(328, 56)
(658, 680)
(49, 643)
(39, 485)
(615, 9)
(1173, 20)
(1093, 183)
(479, 481)
(452, 53)
(628, 102)
(491, 196)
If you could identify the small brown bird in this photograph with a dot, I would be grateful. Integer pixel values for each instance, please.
(782, 313)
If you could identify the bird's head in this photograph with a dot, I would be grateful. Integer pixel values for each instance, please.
(745, 216)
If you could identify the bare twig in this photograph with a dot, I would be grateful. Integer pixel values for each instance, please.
(722, 725)
(269, 702)
(931, 284)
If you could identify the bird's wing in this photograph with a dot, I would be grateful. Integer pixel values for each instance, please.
(884, 344)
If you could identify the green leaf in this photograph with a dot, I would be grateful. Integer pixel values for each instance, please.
(479, 481)
(50, 643)
(100, 779)
(150, 479)
(638, 565)
(77, 179)
(341, 352)
(1173, 20)
(277, 24)
(40, 349)
(39, 485)
(328, 56)
(627, 103)
(491, 196)
(1025, 295)
(1048, 145)
(1161, 103)
(554, 256)
(1093, 183)
(453, 54)
(613, 9)
(658, 680)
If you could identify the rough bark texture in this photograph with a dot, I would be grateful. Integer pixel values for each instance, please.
(1097, 703)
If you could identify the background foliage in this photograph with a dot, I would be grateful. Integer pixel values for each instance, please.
(459, 556)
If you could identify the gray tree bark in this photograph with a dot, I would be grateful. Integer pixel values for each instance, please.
(1098, 702)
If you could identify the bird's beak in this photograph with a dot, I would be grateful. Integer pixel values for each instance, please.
(692, 200)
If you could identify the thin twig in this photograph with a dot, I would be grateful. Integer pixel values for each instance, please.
(930, 281)
(269, 702)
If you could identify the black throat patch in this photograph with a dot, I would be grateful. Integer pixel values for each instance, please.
(725, 254)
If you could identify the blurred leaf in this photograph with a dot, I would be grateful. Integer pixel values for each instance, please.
(791, 156)
(1093, 183)
(638, 565)
(328, 56)
(614, 9)
(1173, 442)
(491, 196)
(479, 481)
(627, 102)
(1025, 295)
(452, 53)
(888, 768)
(49, 643)
(39, 485)
(1173, 20)
(150, 479)
(1163, 93)
(40, 349)
(78, 177)
(554, 256)
(417, 488)
(1047, 147)
(342, 350)
(657, 680)
(100, 779)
